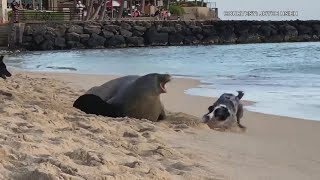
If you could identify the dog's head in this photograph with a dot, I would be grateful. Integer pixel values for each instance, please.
(4, 73)
(217, 112)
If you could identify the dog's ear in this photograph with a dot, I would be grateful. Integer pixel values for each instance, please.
(1, 58)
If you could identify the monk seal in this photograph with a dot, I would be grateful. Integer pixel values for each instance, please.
(110, 88)
(138, 97)
(4, 73)
(226, 111)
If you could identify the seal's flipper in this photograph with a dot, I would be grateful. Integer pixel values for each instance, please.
(162, 115)
(92, 104)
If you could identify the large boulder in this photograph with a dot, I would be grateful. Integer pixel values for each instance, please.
(302, 29)
(176, 39)
(125, 33)
(178, 27)
(39, 30)
(191, 40)
(46, 45)
(75, 28)
(38, 38)
(73, 37)
(28, 30)
(316, 29)
(290, 30)
(112, 28)
(167, 29)
(74, 45)
(107, 34)
(208, 30)
(60, 42)
(27, 39)
(135, 42)
(268, 30)
(96, 41)
(90, 29)
(126, 26)
(50, 35)
(140, 28)
(137, 33)
(84, 38)
(187, 31)
(117, 41)
(212, 39)
(249, 38)
(274, 39)
(156, 39)
(60, 30)
(200, 36)
(196, 29)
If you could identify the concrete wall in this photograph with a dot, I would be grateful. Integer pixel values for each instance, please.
(199, 12)
(120, 34)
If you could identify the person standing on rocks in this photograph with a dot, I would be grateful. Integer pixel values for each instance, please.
(15, 8)
(79, 9)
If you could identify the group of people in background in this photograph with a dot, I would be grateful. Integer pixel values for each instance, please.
(23, 5)
(162, 14)
(81, 11)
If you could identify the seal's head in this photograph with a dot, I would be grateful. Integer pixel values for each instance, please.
(153, 83)
(163, 79)
(4, 73)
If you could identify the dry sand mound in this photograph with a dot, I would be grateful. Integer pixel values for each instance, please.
(43, 137)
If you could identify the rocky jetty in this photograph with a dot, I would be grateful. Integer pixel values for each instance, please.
(121, 34)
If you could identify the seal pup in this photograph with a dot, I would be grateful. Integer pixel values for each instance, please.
(4, 73)
(131, 96)
(225, 111)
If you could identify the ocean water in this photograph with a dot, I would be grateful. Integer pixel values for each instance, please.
(283, 79)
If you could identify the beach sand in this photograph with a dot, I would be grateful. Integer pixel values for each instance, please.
(43, 137)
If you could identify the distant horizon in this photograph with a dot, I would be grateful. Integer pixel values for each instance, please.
(306, 10)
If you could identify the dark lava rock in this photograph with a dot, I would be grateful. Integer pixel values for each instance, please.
(73, 37)
(135, 42)
(75, 29)
(96, 41)
(117, 41)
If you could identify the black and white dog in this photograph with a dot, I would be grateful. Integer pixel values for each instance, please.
(226, 111)
(4, 73)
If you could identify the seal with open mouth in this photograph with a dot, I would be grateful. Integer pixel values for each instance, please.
(131, 96)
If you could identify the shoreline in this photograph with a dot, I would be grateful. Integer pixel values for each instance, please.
(195, 83)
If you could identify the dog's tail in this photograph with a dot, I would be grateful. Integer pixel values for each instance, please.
(240, 94)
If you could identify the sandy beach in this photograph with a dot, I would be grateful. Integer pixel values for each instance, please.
(43, 137)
